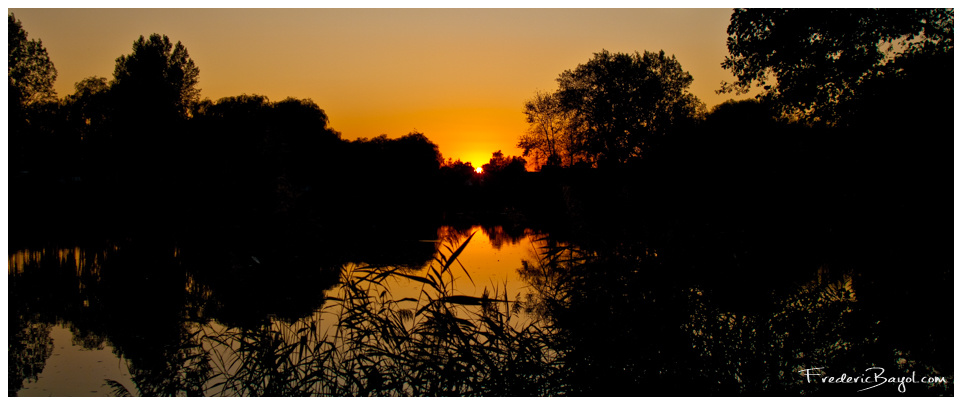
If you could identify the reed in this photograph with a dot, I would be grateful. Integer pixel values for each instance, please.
(438, 343)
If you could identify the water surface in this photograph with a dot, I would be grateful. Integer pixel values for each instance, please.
(70, 301)
(455, 311)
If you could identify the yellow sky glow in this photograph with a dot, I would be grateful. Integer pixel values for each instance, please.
(460, 76)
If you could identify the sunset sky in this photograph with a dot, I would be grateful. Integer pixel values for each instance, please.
(460, 76)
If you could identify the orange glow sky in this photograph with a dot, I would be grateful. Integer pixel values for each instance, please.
(460, 76)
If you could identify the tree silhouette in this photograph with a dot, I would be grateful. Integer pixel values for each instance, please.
(550, 138)
(31, 99)
(501, 164)
(158, 80)
(502, 176)
(150, 96)
(812, 60)
(405, 165)
(29, 347)
(617, 104)
(88, 107)
(457, 166)
(231, 146)
(923, 75)
(30, 73)
(302, 139)
(265, 154)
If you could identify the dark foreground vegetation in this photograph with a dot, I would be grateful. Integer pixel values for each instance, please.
(689, 252)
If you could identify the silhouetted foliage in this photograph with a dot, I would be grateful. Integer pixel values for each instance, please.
(460, 183)
(812, 60)
(615, 106)
(262, 158)
(921, 74)
(499, 164)
(460, 172)
(879, 78)
(402, 170)
(31, 102)
(88, 108)
(28, 349)
(30, 73)
(550, 139)
(158, 80)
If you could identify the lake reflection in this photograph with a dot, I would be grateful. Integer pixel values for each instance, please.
(133, 302)
(467, 311)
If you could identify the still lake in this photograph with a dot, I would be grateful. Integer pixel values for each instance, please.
(65, 346)
(470, 310)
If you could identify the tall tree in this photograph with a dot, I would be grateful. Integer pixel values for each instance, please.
(30, 73)
(810, 61)
(549, 137)
(265, 152)
(617, 104)
(34, 117)
(157, 80)
(88, 109)
(151, 94)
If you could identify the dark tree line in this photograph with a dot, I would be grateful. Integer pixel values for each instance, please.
(142, 141)
(843, 161)
(843, 164)
(142, 150)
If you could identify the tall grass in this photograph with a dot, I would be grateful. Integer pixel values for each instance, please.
(437, 343)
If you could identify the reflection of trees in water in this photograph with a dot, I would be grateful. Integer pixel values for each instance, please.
(87, 339)
(452, 235)
(29, 346)
(155, 313)
(130, 298)
(47, 287)
(499, 235)
(819, 324)
(617, 318)
(814, 326)
(179, 367)
(627, 326)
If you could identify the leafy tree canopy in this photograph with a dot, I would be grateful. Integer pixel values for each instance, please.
(87, 107)
(610, 108)
(503, 164)
(550, 138)
(809, 61)
(157, 78)
(30, 73)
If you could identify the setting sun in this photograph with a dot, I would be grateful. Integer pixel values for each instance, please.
(244, 52)
(478, 170)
